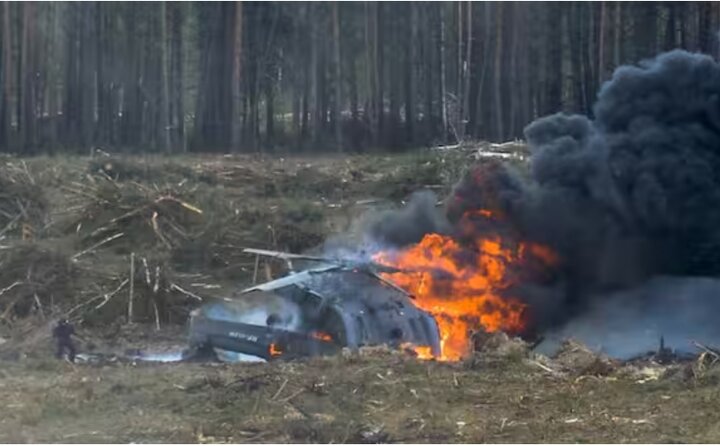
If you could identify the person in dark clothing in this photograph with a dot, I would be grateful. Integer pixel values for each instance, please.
(63, 333)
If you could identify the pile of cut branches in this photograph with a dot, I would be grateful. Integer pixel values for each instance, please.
(147, 290)
(144, 217)
(22, 202)
(33, 280)
(231, 174)
(147, 169)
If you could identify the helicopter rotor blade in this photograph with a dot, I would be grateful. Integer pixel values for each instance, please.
(377, 267)
(286, 255)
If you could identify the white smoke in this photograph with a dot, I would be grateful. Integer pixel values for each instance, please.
(630, 323)
(256, 310)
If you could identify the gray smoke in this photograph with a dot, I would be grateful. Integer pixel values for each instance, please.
(409, 224)
(629, 195)
(630, 322)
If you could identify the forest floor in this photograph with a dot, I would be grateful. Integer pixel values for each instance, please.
(183, 220)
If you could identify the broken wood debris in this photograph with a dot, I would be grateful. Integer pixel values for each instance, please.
(184, 291)
(97, 245)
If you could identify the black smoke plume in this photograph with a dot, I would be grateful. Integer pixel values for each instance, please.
(631, 194)
(409, 224)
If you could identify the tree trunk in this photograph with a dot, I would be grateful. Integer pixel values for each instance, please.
(103, 83)
(337, 81)
(27, 116)
(164, 133)
(177, 71)
(306, 66)
(428, 50)
(481, 127)
(6, 79)
(617, 36)
(587, 51)
(296, 109)
(441, 66)
(498, 112)
(380, 68)
(459, 80)
(553, 74)
(467, 73)
(235, 77)
(410, 38)
(601, 42)
(705, 32)
(393, 72)
(316, 74)
(513, 94)
(88, 63)
(269, 113)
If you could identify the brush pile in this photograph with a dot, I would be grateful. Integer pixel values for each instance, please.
(143, 216)
(132, 169)
(34, 280)
(115, 238)
(23, 205)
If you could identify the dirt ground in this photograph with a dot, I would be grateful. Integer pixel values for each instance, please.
(55, 211)
(361, 398)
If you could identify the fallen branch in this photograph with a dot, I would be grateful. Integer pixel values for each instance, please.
(184, 204)
(255, 271)
(157, 315)
(448, 147)
(10, 224)
(712, 351)
(39, 305)
(282, 386)
(302, 411)
(148, 280)
(27, 172)
(206, 286)
(293, 395)
(10, 307)
(12, 304)
(107, 297)
(185, 292)
(156, 229)
(97, 245)
(80, 305)
(543, 367)
(132, 288)
(700, 363)
(10, 287)
(156, 287)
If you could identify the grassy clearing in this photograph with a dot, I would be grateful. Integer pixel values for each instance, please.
(372, 397)
(501, 395)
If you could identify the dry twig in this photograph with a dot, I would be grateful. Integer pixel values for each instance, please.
(97, 245)
(282, 386)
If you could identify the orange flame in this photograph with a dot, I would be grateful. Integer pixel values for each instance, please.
(421, 351)
(460, 285)
(321, 336)
(275, 350)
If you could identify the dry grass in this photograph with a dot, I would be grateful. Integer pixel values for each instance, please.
(502, 395)
(185, 216)
(378, 397)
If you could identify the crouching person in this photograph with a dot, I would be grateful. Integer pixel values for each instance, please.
(63, 333)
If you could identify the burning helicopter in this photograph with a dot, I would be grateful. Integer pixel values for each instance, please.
(315, 311)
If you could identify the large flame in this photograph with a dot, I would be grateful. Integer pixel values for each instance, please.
(460, 284)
